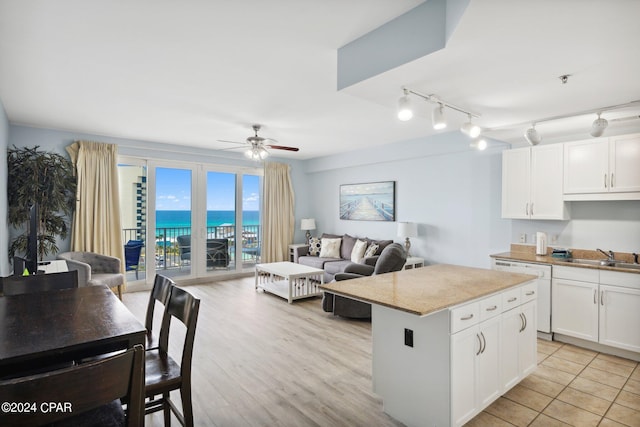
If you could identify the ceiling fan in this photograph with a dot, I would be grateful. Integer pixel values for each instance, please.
(257, 145)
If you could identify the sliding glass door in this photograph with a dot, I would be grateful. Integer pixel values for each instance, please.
(193, 220)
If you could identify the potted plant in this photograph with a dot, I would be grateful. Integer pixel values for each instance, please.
(45, 178)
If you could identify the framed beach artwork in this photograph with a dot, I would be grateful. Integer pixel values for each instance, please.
(373, 201)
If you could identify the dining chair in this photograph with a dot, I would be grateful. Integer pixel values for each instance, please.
(16, 285)
(162, 373)
(86, 394)
(160, 293)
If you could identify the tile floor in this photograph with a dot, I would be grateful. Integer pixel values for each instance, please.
(571, 387)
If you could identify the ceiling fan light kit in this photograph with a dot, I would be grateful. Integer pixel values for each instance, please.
(257, 149)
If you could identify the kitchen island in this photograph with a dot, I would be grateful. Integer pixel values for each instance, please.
(447, 340)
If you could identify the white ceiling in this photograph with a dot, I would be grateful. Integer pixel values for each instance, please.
(192, 72)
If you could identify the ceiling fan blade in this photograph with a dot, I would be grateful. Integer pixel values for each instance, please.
(232, 142)
(282, 147)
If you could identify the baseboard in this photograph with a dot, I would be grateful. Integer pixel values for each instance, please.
(597, 347)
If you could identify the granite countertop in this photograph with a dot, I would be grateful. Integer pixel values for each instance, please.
(428, 289)
(527, 253)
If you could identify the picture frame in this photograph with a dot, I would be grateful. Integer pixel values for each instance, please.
(371, 201)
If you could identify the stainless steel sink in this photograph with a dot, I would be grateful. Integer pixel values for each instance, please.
(604, 262)
(627, 265)
(591, 261)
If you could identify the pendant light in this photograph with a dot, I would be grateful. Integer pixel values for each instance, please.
(598, 126)
(439, 121)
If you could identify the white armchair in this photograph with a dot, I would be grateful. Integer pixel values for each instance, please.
(95, 269)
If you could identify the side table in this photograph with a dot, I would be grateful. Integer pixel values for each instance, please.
(292, 250)
(413, 262)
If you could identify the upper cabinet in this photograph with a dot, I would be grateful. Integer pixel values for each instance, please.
(532, 183)
(602, 169)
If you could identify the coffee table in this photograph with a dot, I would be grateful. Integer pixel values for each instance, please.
(289, 280)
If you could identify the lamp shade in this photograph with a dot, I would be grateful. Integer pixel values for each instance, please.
(307, 224)
(407, 229)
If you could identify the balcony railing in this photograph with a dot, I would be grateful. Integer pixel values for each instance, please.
(167, 252)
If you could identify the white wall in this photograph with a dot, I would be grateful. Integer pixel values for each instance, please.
(5, 267)
(450, 190)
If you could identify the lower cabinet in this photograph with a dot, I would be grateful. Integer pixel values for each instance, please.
(600, 306)
(490, 357)
(475, 354)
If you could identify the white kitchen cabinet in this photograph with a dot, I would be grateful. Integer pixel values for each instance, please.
(602, 168)
(532, 183)
(600, 306)
(574, 292)
(519, 357)
(619, 301)
(475, 356)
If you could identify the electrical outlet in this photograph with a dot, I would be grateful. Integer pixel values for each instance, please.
(523, 237)
(408, 337)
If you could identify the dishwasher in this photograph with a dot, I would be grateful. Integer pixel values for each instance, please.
(543, 272)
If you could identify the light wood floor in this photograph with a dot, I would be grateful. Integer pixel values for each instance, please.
(259, 361)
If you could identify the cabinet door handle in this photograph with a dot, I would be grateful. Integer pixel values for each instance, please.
(531, 208)
(601, 297)
(493, 307)
(524, 316)
(467, 317)
(595, 296)
(530, 293)
(479, 345)
(484, 342)
(605, 180)
(521, 323)
(611, 181)
(512, 299)
(526, 209)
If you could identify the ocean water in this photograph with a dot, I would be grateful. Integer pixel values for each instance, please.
(172, 219)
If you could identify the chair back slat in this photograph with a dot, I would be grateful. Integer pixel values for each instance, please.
(84, 387)
(160, 292)
(184, 307)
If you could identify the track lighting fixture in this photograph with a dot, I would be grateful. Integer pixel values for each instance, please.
(470, 129)
(439, 121)
(532, 136)
(598, 126)
(405, 112)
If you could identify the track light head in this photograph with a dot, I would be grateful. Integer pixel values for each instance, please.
(598, 126)
(470, 129)
(439, 121)
(480, 144)
(405, 110)
(532, 136)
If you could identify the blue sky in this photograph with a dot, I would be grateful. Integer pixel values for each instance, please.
(173, 190)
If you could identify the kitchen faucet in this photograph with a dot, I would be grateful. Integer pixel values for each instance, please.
(610, 255)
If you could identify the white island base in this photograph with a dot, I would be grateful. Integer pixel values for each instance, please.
(454, 369)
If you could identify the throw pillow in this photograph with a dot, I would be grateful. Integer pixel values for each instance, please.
(358, 250)
(314, 246)
(371, 250)
(330, 248)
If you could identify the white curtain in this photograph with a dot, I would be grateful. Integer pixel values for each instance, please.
(279, 221)
(96, 222)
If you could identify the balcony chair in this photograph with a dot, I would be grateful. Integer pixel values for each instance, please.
(16, 285)
(95, 269)
(93, 390)
(160, 293)
(162, 373)
(217, 251)
(132, 251)
(391, 259)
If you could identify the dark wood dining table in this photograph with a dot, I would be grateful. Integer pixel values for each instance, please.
(47, 328)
